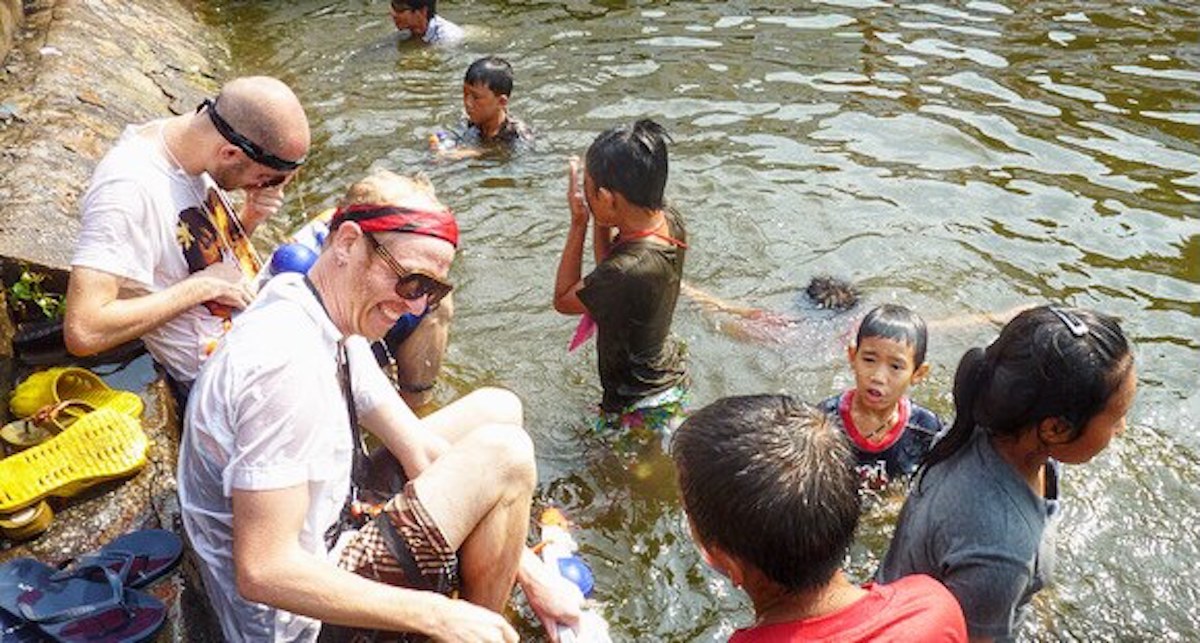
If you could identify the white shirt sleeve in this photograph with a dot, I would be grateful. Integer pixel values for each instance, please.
(116, 230)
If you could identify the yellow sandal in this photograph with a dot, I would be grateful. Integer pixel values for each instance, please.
(55, 385)
(41, 426)
(102, 445)
(27, 523)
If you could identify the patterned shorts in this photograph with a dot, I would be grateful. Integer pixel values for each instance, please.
(431, 563)
(658, 414)
(402, 547)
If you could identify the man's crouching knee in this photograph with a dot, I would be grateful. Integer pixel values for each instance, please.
(493, 405)
(510, 454)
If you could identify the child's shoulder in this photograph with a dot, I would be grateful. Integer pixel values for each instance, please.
(830, 405)
(923, 420)
(516, 129)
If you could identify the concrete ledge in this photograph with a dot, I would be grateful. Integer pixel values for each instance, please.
(77, 73)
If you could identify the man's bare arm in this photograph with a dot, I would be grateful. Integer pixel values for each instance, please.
(98, 319)
(419, 356)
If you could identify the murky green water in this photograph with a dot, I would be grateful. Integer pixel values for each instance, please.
(954, 157)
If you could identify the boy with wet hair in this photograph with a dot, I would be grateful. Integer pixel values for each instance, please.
(891, 434)
(487, 87)
(639, 246)
(421, 20)
(773, 503)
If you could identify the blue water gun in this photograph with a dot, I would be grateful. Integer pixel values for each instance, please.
(560, 552)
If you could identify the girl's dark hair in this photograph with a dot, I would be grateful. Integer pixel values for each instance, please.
(896, 323)
(493, 72)
(632, 161)
(1047, 363)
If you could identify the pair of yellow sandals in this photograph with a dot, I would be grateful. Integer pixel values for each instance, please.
(74, 432)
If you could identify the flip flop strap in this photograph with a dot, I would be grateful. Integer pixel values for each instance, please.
(104, 560)
(114, 599)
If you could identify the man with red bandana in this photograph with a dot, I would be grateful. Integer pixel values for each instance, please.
(272, 475)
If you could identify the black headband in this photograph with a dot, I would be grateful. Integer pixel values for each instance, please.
(252, 150)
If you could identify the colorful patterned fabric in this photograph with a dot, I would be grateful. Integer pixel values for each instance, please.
(657, 415)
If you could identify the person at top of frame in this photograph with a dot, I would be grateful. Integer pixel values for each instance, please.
(421, 20)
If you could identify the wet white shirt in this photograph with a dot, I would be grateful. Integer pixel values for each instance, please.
(266, 413)
(442, 32)
(130, 228)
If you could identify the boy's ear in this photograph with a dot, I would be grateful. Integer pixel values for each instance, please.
(503, 100)
(920, 373)
(851, 351)
(727, 565)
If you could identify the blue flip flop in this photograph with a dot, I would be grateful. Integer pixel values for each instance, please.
(137, 558)
(89, 605)
(15, 629)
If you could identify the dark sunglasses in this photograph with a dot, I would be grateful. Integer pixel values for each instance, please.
(249, 147)
(412, 284)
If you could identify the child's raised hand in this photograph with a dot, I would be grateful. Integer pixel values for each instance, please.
(575, 198)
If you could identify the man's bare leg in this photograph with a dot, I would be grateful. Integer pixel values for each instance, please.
(480, 408)
(479, 495)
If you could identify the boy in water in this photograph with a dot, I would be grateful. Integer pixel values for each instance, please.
(421, 20)
(487, 87)
(773, 504)
(639, 246)
(891, 434)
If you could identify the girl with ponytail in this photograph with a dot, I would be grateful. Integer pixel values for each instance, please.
(1053, 388)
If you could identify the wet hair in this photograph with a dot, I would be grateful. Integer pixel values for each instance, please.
(832, 293)
(766, 479)
(386, 187)
(897, 323)
(632, 161)
(1047, 363)
(416, 5)
(492, 71)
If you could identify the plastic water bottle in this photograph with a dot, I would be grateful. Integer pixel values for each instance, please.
(441, 141)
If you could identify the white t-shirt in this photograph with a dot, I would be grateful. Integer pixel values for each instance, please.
(440, 31)
(266, 413)
(142, 221)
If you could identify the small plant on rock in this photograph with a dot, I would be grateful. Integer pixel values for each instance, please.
(28, 291)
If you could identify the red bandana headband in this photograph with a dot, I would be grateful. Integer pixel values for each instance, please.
(372, 217)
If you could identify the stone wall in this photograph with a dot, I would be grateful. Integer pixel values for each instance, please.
(11, 15)
(83, 70)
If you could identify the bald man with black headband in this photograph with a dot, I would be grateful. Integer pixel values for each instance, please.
(158, 194)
